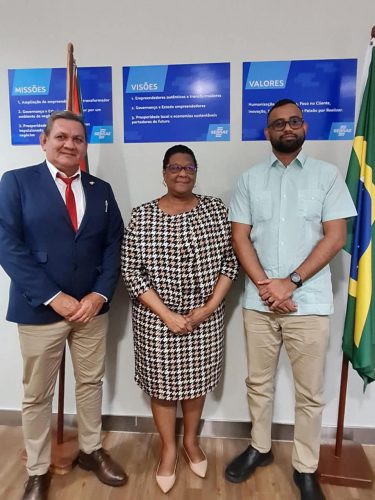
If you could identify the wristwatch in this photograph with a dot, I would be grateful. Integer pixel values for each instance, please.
(296, 279)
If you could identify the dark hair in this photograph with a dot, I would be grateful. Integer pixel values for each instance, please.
(178, 148)
(65, 115)
(282, 102)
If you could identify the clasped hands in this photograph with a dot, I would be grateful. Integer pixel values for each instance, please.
(81, 311)
(181, 324)
(276, 294)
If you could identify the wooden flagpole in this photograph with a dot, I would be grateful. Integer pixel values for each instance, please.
(344, 463)
(69, 78)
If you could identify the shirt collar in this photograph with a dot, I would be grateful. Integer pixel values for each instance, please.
(54, 171)
(300, 159)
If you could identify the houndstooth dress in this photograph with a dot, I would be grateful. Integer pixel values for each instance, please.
(180, 257)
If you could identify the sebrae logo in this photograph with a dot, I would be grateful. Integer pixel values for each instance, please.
(341, 131)
(218, 132)
(100, 133)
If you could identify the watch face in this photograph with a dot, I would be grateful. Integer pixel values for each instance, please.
(296, 279)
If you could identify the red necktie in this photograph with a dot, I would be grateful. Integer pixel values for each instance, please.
(70, 201)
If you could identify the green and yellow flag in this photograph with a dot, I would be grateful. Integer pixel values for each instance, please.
(359, 330)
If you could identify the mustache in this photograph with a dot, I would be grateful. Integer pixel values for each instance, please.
(289, 134)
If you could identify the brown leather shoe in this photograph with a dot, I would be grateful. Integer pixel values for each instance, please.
(102, 465)
(37, 487)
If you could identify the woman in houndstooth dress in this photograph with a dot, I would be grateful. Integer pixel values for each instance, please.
(178, 265)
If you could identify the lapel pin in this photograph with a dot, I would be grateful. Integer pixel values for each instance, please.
(92, 183)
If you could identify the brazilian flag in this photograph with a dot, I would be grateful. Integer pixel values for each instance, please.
(359, 330)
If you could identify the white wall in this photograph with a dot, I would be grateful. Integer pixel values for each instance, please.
(119, 33)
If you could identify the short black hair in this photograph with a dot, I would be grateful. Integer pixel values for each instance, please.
(282, 102)
(178, 148)
(65, 115)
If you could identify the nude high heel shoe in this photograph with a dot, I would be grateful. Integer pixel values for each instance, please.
(166, 483)
(200, 468)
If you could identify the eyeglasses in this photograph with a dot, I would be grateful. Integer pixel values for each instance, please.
(295, 122)
(174, 168)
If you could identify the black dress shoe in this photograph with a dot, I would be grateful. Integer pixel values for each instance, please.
(241, 467)
(37, 487)
(102, 465)
(308, 486)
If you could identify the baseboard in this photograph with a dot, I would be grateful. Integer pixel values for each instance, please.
(208, 428)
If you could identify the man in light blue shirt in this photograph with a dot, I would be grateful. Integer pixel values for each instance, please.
(288, 221)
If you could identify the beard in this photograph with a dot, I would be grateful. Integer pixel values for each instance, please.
(288, 146)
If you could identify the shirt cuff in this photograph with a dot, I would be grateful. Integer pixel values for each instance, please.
(47, 302)
(104, 297)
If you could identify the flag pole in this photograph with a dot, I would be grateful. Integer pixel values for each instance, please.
(60, 406)
(341, 412)
(69, 78)
(346, 463)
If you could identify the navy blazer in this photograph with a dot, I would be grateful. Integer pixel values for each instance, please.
(40, 251)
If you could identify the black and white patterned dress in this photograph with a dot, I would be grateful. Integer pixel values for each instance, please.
(180, 257)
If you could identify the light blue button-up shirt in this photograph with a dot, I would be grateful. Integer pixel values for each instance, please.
(286, 207)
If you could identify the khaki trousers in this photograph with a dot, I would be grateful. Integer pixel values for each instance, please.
(42, 347)
(305, 339)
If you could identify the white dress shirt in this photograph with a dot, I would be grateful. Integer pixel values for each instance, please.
(79, 194)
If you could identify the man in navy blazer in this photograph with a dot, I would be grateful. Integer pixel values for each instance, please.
(63, 270)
